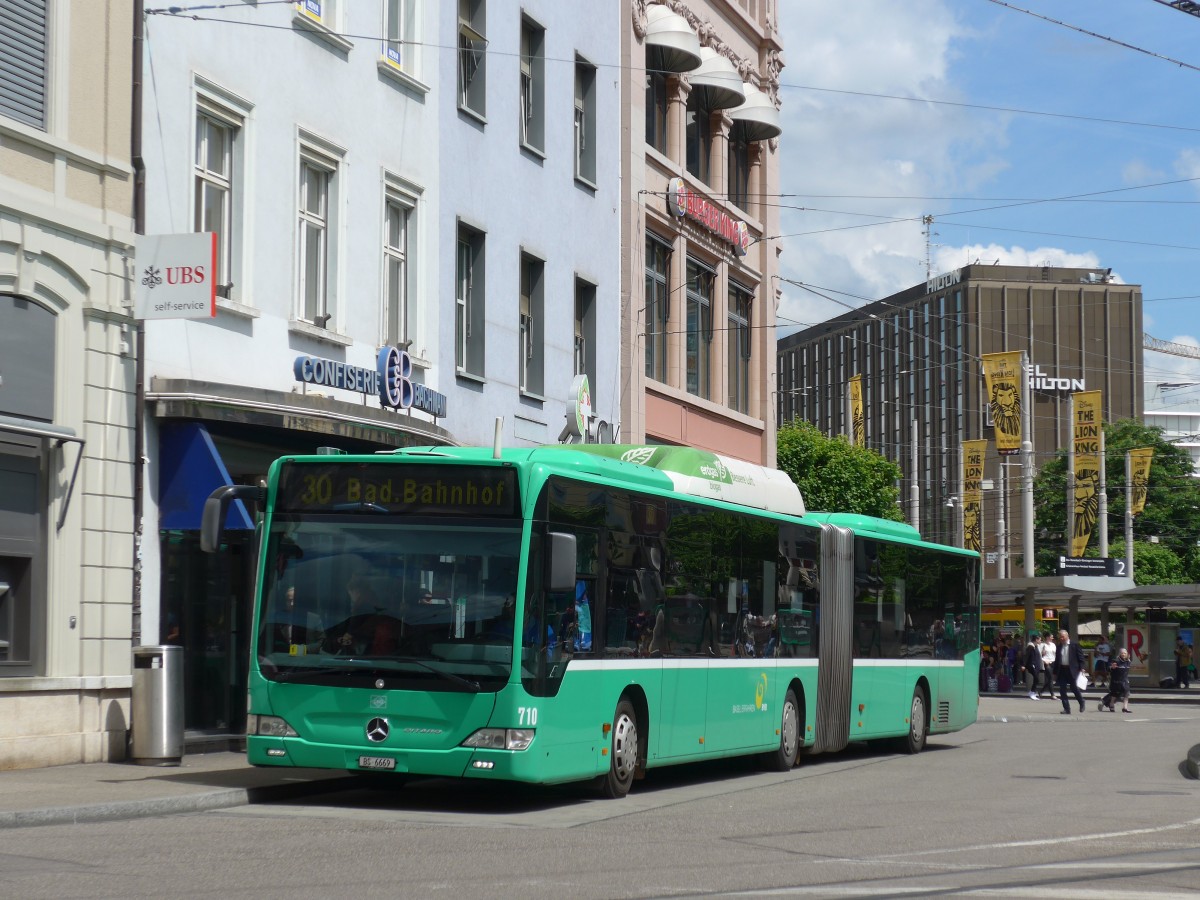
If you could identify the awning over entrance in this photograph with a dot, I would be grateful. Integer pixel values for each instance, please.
(716, 83)
(757, 118)
(190, 470)
(673, 46)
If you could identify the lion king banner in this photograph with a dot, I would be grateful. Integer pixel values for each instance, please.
(973, 452)
(1087, 442)
(1002, 377)
(858, 431)
(1140, 477)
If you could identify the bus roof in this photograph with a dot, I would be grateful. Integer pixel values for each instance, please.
(701, 473)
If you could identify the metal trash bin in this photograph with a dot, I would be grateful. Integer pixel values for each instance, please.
(156, 706)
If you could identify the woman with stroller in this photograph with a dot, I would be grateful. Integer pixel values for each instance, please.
(1118, 683)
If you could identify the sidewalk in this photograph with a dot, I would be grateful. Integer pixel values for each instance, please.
(99, 792)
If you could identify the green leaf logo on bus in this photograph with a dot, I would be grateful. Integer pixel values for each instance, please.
(760, 692)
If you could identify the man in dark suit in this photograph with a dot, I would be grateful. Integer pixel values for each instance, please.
(1068, 663)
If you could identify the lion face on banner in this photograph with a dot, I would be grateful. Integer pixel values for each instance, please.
(1006, 408)
(972, 534)
(1087, 502)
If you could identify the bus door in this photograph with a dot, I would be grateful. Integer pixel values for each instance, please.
(678, 635)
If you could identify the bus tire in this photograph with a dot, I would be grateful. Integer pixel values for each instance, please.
(918, 724)
(623, 752)
(784, 757)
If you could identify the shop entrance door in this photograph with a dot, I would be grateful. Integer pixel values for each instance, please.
(207, 610)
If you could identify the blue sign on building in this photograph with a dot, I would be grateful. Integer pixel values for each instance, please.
(390, 380)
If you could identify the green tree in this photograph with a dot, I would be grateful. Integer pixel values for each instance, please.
(835, 476)
(1172, 509)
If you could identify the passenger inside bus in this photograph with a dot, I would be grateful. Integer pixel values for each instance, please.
(366, 631)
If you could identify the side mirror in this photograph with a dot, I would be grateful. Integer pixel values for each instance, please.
(212, 521)
(560, 561)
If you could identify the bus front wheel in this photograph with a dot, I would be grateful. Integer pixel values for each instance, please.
(918, 724)
(623, 753)
(783, 757)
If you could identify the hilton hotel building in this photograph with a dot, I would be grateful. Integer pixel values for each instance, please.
(919, 351)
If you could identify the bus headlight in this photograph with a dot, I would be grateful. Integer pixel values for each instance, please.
(269, 726)
(501, 739)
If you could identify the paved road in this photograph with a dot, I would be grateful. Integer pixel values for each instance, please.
(1026, 803)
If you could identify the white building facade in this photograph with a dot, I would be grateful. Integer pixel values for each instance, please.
(66, 380)
(436, 178)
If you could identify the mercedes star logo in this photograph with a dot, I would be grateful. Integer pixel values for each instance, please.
(377, 730)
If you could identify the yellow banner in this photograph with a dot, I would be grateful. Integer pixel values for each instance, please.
(1087, 500)
(1002, 375)
(973, 452)
(1139, 470)
(1087, 429)
(859, 425)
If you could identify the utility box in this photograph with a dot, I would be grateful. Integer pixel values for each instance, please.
(156, 706)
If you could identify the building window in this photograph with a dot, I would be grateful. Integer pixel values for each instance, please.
(472, 59)
(23, 45)
(214, 197)
(585, 332)
(698, 338)
(656, 110)
(399, 33)
(739, 169)
(324, 19)
(397, 214)
(738, 338)
(658, 307)
(317, 235)
(533, 86)
(531, 362)
(468, 302)
(585, 121)
(699, 139)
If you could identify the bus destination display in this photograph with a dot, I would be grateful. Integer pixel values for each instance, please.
(411, 490)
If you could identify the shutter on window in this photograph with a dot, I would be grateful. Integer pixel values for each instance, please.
(23, 61)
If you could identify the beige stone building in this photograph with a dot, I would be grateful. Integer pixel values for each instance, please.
(700, 171)
(66, 380)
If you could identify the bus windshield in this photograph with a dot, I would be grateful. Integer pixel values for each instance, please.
(425, 603)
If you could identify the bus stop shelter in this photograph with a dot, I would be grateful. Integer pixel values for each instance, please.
(1107, 597)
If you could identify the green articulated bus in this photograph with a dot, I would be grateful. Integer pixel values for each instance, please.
(587, 612)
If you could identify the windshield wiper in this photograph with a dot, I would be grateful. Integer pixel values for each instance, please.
(473, 686)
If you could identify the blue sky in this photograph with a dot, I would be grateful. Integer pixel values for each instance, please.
(851, 159)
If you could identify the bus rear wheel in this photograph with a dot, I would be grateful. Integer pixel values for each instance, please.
(918, 724)
(783, 757)
(623, 753)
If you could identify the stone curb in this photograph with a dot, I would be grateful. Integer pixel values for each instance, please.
(1192, 763)
(159, 806)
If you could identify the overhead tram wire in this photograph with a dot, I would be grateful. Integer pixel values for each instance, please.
(187, 12)
(1102, 37)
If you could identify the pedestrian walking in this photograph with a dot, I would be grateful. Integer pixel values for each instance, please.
(1048, 653)
(1103, 653)
(1068, 664)
(1183, 663)
(1033, 664)
(1118, 683)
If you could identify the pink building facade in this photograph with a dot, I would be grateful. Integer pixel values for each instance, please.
(700, 246)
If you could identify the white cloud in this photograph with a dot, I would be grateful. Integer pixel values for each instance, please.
(853, 159)
(947, 258)
(1187, 165)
